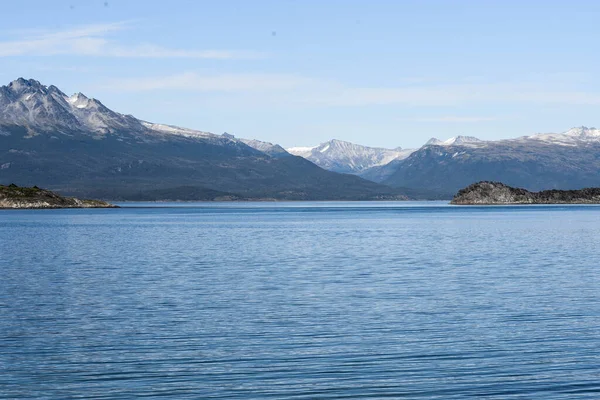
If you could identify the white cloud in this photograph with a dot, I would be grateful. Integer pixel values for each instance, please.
(91, 40)
(211, 83)
(456, 95)
(288, 90)
(455, 118)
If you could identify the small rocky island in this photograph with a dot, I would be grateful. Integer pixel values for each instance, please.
(13, 196)
(485, 192)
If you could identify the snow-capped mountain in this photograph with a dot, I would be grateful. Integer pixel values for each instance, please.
(176, 130)
(274, 150)
(568, 160)
(28, 103)
(340, 156)
(77, 146)
(572, 137)
(457, 140)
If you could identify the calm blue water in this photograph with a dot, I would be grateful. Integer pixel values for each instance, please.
(301, 301)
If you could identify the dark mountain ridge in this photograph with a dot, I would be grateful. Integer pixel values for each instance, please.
(530, 162)
(77, 146)
(568, 160)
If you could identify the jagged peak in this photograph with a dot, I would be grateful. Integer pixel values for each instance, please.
(583, 131)
(347, 157)
(455, 140)
(460, 139)
(79, 95)
(22, 84)
(54, 89)
(79, 100)
(26, 82)
(433, 141)
(265, 147)
(331, 144)
(569, 138)
(337, 144)
(338, 141)
(45, 106)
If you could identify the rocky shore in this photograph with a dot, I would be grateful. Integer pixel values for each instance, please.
(15, 197)
(485, 192)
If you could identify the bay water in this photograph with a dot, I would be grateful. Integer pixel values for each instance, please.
(301, 300)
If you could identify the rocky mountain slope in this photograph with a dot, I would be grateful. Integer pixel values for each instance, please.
(498, 193)
(569, 160)
(454, 141)
(78, 146)
(273, 150)
(13, 196)
(345, 157)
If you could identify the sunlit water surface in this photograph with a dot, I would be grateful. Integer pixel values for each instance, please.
(301, 301)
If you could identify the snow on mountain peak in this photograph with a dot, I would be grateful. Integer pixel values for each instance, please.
(434, 141)
(26, 102)
(79, 100)
(175, 130)
(273, 150)
(460, 140)
(20, 85)
(341, 156)
(583, 132)
(301, 151)
(572, 137)
(455, 140)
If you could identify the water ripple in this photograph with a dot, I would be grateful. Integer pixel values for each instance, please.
(301, 301)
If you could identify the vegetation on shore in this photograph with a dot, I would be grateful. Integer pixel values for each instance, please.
(13, 196)
(486, 192)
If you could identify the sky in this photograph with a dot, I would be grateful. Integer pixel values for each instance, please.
(388, 73)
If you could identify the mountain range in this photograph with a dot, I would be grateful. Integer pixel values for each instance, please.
(568, 160)
(345, 157)
(77, 146)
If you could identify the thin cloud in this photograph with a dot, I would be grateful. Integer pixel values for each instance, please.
(93, 40)
(456, 95)
(211, 83)
(305, 92)
(455, 118)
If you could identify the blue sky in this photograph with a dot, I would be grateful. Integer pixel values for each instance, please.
(381, 73)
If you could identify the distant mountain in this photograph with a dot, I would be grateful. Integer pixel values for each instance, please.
(573, 137)
(78, 146)
(569, 160)
(274, 150)
(456, 141)
(35, 107)
(345, 157)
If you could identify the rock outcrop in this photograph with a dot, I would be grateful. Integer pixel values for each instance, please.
(13, 196)
(486, 192)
